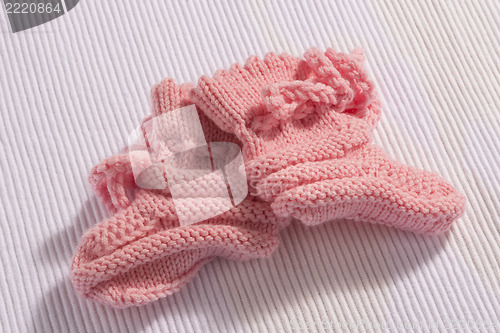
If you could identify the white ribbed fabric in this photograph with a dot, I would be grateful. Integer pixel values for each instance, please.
(74, 88)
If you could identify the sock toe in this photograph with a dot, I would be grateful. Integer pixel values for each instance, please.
(373, 188)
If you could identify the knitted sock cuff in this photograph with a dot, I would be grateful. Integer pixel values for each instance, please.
(113, 179)
(274, 97)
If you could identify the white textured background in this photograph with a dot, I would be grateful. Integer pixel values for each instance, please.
(72, 89)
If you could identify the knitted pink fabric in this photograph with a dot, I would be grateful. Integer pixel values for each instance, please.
(113, 178)
(142, 253)
(305, 126)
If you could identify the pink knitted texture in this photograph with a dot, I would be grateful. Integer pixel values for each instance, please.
(305, 127)
(142, 253)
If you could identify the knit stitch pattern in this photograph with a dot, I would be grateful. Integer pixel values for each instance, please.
(305, 129)
(142, 253)
(306, 126)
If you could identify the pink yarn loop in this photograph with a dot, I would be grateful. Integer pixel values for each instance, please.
(338, 80)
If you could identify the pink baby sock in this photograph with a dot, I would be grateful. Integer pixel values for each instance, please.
(143, 253)
(305, 127)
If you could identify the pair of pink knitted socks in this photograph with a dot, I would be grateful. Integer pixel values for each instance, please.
(304, 127)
